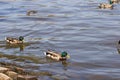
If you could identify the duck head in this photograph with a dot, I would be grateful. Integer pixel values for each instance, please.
(65, 54)
(21, 38)
(110, 1)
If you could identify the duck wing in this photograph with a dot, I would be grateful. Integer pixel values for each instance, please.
(10, 39)
(52, 53)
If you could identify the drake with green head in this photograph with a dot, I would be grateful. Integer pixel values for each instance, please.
(14, 40)
(57, 56)
(114, 1)
(110, 1)
(106, 5)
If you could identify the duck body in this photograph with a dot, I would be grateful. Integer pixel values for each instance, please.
(30, 12)
(11, 40)
(105, 6)
(55, 55)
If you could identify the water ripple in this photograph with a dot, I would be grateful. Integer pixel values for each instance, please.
(87, 33)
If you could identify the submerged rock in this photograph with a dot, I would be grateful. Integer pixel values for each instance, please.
(4, 77)
(27, 77)
(12, 74)
(18, 70)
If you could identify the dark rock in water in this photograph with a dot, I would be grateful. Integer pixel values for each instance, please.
(18, 69)
(23, 77)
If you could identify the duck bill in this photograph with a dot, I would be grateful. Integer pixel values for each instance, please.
(68, 56)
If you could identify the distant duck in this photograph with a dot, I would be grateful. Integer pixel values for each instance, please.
(14, 40)
(106, 5)
(115, 1)
(30, 12)
(57, 56)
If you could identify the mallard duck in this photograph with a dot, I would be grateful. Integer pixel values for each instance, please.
(106, 5)
(115, 1)
(14, 40)
(31, 12)
(57, 56)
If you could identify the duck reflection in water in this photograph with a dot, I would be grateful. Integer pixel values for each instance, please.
(20, 46)
(65, 65)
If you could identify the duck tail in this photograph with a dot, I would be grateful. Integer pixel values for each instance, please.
(5, 38)
(45, 53)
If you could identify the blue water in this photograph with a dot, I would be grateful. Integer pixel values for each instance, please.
(87, 33)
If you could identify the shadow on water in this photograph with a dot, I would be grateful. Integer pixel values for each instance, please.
(20, 46)
(65, 65)
(35, 18)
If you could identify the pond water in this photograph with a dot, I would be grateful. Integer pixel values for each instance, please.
(87, 33)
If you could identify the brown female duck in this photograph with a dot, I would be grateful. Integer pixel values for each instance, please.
(31, 12)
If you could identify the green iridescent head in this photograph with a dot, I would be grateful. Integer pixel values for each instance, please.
(64, 54)
(111, 2)
(21, 38)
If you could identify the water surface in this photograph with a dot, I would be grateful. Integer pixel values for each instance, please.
(87, 33)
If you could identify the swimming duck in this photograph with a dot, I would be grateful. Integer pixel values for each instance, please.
(115, 1)
(106, 5)
(31, 12)
(14, 40)
(57, 56)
